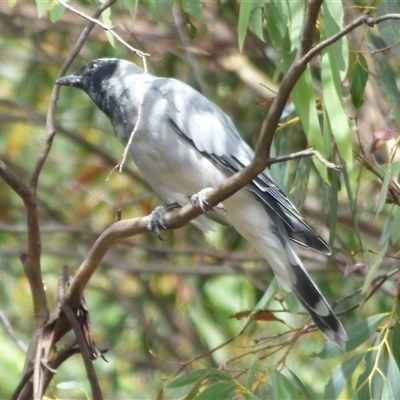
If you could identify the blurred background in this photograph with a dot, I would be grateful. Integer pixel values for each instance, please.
(155, 305)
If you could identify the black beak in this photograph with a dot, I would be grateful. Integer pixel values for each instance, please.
(70, 80)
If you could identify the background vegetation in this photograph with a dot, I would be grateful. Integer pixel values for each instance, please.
(162, 308)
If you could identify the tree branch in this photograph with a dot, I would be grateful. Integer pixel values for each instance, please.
(83, 345)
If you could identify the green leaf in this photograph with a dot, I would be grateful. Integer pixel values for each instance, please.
(369, 379)
(396, 342)
(295, 25)
(158, 7)
(357, 334)
(333, 17)
(277, 25)
(257, 21)
(389, 29)
(216, 373)
(358, 79)
(132, 7)
(106, 16)
(56, 11)
(41, 6)
(334, 68)
(384, 189)
(388, 81)
(12, 3)
(282, 388)
(218, 391)
(333, 205)
(306, 391)
(341, 376)
(193, 7)
(377, 259)
(304, 99)
(393, 378)
(396, 225)
(244, 18)
(189, 378)
(250, 396)
(251, 378)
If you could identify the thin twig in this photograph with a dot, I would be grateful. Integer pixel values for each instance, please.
(95, 21)
(139, 116)
(305, 153)
(10, 330)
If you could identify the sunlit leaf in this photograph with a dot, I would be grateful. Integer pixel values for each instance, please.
(282, 388)
(396, 343)
(244, 18)
(56, 11)
(392, 384)
(306, 391)
(341, 376)
(367, 382)
(296, 10)
(106, 16)
(193, 7)
(334, 68)
(304, 100)
(277, 24)
(257, 21)
(41, 6)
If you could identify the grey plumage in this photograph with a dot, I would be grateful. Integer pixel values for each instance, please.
(184, 143)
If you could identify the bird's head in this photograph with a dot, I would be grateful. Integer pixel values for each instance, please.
(94, 79)
(91, 76)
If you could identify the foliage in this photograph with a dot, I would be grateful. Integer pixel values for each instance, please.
(173, 314)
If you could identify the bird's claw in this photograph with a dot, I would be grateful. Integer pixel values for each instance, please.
(201, 198)
(156, 221)
(156, 218)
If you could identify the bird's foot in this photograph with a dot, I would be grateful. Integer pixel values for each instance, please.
(201, 198)
(156, 218)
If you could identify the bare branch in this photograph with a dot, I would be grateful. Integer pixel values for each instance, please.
(305, 153)
(95, 21)
(83, 346)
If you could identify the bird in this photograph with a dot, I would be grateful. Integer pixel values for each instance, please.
(184, 145)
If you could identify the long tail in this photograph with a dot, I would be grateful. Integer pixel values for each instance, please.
(314, 302)
(266, 233)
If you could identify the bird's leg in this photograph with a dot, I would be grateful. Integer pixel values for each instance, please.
(201, 197)
(156, 218)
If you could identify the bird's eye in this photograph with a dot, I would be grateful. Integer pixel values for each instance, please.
(92, 66)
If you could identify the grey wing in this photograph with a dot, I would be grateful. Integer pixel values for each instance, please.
(213, 134)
